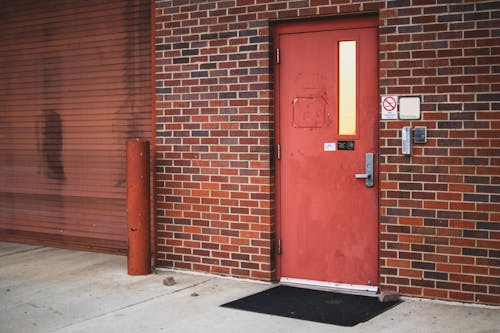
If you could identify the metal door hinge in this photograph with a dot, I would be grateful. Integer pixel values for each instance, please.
(278, 148)
(277, 56)
(279, 246)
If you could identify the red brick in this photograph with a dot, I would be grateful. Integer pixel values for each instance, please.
(488, 299)
(460, 296)
(435, 293)
(398, 263)
(404, 290)
(410, 273)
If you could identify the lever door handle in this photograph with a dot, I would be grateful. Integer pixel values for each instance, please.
(368, 175)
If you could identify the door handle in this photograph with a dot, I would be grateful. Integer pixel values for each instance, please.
(362, 175)
(368, 175)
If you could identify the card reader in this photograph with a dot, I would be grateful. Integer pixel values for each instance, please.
(406, 140)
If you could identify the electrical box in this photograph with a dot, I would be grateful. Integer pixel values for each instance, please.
(420, 134)
(406, 140)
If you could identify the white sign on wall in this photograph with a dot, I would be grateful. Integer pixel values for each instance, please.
(409, 107)
(389, 107)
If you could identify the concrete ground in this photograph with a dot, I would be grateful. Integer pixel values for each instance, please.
(52, 290)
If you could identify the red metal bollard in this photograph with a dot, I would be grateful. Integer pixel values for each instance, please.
(138, 208)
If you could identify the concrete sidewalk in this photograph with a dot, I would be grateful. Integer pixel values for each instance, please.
(52, 290)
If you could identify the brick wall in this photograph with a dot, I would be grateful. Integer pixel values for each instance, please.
(439, 219)
(440, 216)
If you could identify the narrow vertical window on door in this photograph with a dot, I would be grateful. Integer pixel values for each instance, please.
(347, 87)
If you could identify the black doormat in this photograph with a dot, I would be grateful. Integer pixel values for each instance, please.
(313, 305)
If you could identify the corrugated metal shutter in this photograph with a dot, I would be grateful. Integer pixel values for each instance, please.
(75, 84)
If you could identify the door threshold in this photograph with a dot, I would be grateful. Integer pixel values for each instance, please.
(343, 288)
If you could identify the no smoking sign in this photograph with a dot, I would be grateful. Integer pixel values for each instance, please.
(389, 107)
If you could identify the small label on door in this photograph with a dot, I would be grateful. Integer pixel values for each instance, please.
(329, 146)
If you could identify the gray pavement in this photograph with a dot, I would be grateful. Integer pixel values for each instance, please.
(46, 290)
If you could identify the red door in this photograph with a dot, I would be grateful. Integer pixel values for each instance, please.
(326, 129)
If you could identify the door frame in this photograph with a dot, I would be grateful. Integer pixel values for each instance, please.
(331, 23)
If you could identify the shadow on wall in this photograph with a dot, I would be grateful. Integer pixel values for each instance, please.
(51, 134)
